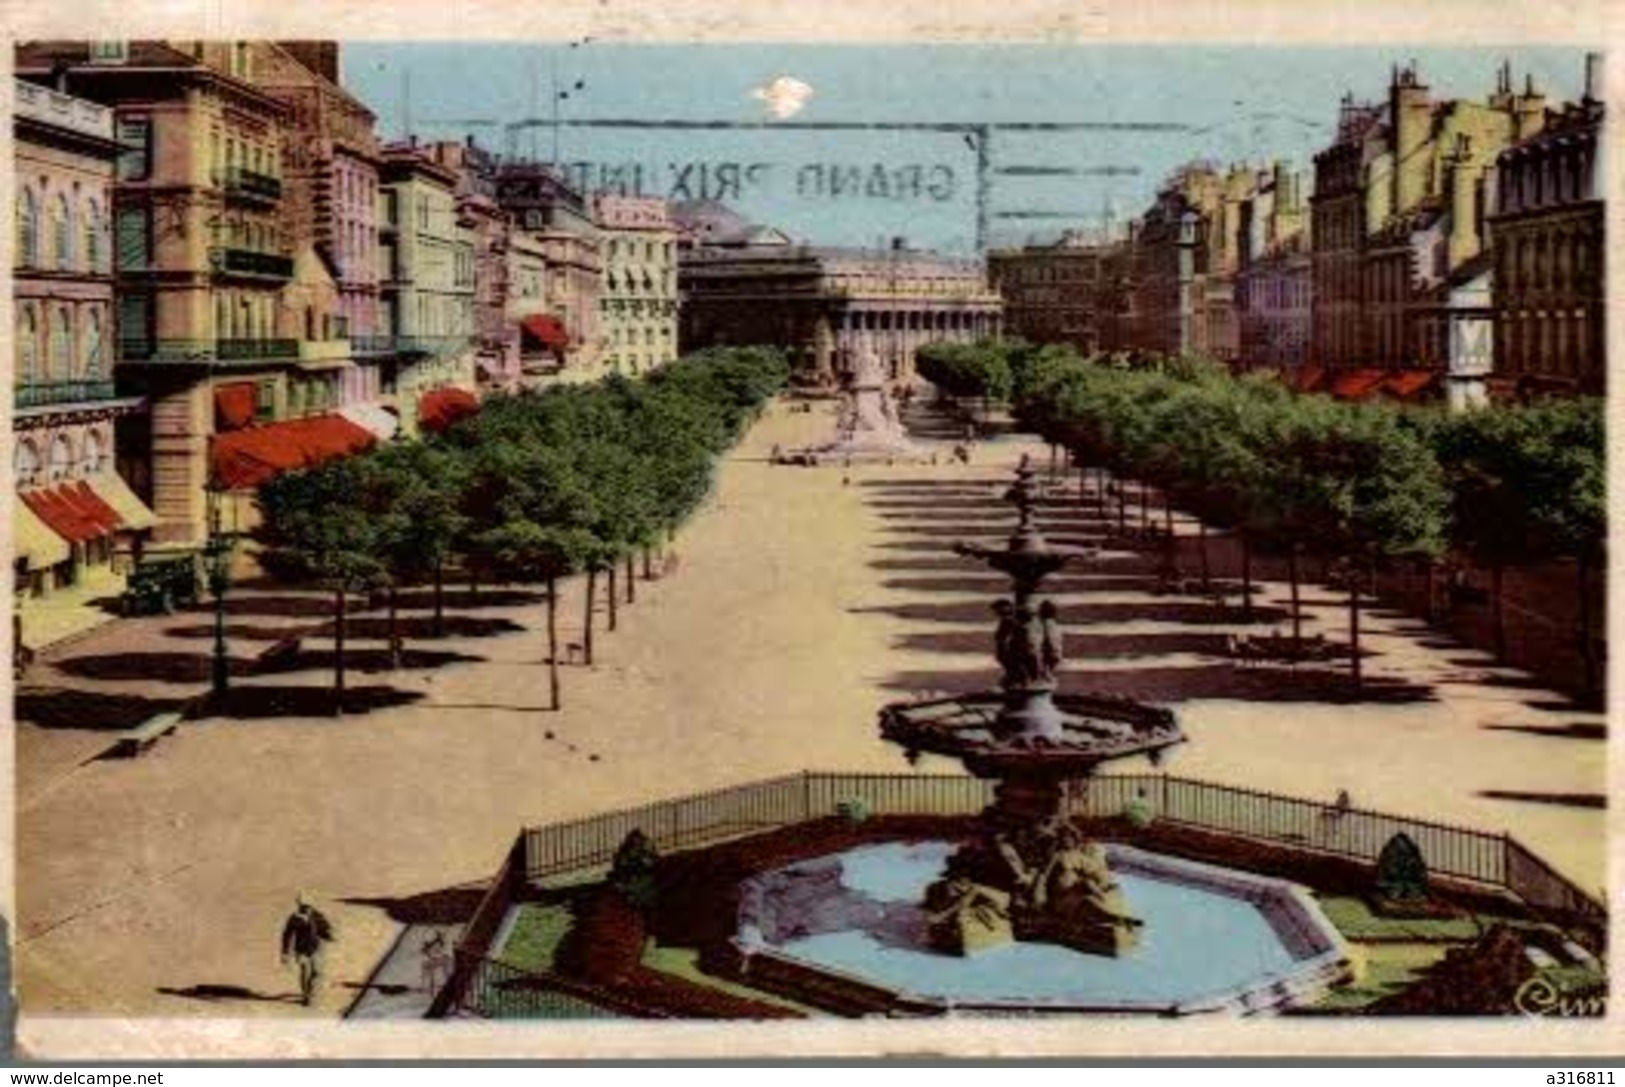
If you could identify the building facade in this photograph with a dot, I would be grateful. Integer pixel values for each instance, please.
(638, 299)
(1549, 245)
(74, 510)
(819, 303)
(426, 259)
(1055, 293)
(1338, 227)
(538, 200)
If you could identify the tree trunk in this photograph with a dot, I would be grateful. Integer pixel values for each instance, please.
(473, 584)
(631, 581)
(1122, 505)
(439, 600)
(1297, 615)
(613, 603)
(1201, 547)
(1497, 614)
(1168, 513)
(1145, 506)
(1431, 588)
(586, 634)
(1354, 625)
(1582, 585)
(338, 651)
(1054, 461)
(1083, 482)
(394, 630)
(648, 569)
(553, 642)
(1246, 580)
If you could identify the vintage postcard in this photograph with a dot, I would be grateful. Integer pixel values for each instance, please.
(719, 529)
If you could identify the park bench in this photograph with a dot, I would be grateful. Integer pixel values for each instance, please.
(138, 739)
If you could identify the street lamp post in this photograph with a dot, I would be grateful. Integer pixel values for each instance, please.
(218, 550)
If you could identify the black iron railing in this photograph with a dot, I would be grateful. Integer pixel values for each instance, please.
(254, 263)
(240, 181)
(188, 350)
(41, 393)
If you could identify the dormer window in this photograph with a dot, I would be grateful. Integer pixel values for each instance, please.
(109, 52)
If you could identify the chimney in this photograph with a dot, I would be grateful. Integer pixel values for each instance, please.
(1593, 87)
(1410, 114)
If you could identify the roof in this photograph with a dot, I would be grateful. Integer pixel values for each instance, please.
(711, 222)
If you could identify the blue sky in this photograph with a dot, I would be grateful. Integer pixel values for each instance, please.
(856, 187)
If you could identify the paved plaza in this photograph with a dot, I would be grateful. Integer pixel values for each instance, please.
(805, 598)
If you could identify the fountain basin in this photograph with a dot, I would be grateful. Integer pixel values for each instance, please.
(1215, 940)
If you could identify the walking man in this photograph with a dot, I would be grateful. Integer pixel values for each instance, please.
(303, 935)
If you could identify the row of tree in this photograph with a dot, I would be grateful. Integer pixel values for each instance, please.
(538, 486)
(1369, 484)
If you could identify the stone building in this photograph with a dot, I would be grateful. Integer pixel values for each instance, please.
(1547, 226)
(1274, 283)
(1171, 246)
(817, 303)
(1056, 293)
(540, 201)
(74, 511)
(1338, 227)
(426, 257)
(1426, 200)
(1216, 331)
(542, 340)
(496, 340)
(637, 302)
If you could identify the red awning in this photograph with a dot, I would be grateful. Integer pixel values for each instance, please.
(68, 518)
(1407, 383)
(1357, 384)
(443, 407)
(243, 459)
(546, 330)
(235, 405)
(94, 508)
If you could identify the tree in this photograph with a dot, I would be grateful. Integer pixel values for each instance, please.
(311, 531)
(414, 496)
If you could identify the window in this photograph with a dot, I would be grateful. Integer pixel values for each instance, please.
(265, 401)
(27, 228)
(61, 233)
(132, 325)
(241, 60)
(109, 52)
(27, 345)
(62, 345)
(93, 346)
(27, 466)
(135, 161)
(133, 239)
(93, 454)
(61, 464)
(94, 257)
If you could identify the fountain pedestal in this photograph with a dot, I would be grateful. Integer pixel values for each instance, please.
(1031, 874)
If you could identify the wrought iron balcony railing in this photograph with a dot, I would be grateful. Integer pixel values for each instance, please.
(241, 181)
(38, 394)
(228, 350)
(250, 262)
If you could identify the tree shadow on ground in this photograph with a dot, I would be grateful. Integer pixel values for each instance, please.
(1485, 676)
(446, 906)
(365, 660)
(421, 627)
(1078, 646)
(1592, 703)
(265, 702)
(92, 711)
(462, 600)
(1563, 800)
(215, 993)
(1573, 730)
(953, 531)
(1185, 684)
(241, 632)
(1075, 614)
(314, 606)
(153, 667)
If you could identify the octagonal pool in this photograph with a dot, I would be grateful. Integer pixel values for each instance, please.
(1214, 939)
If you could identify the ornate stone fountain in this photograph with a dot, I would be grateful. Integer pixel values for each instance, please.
(868, 428)
(1030, 875)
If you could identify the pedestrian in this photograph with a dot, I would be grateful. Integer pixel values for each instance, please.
(436, 962)
(303, 935)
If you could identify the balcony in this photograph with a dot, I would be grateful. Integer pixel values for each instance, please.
(436, 346)
(318, 351)
(206, 351)
(64, 111)
(247, 262)
(252, 185)
(41, 394)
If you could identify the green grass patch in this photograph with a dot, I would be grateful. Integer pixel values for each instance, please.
(1385, 969)
(1355, 920)
(684, 962)
(537, 932)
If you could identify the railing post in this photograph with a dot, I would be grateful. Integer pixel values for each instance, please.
(806, 795)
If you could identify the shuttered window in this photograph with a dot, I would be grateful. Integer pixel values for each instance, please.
(135, 161)
(134, 238)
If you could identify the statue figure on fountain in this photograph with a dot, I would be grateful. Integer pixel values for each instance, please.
(1028, 645)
